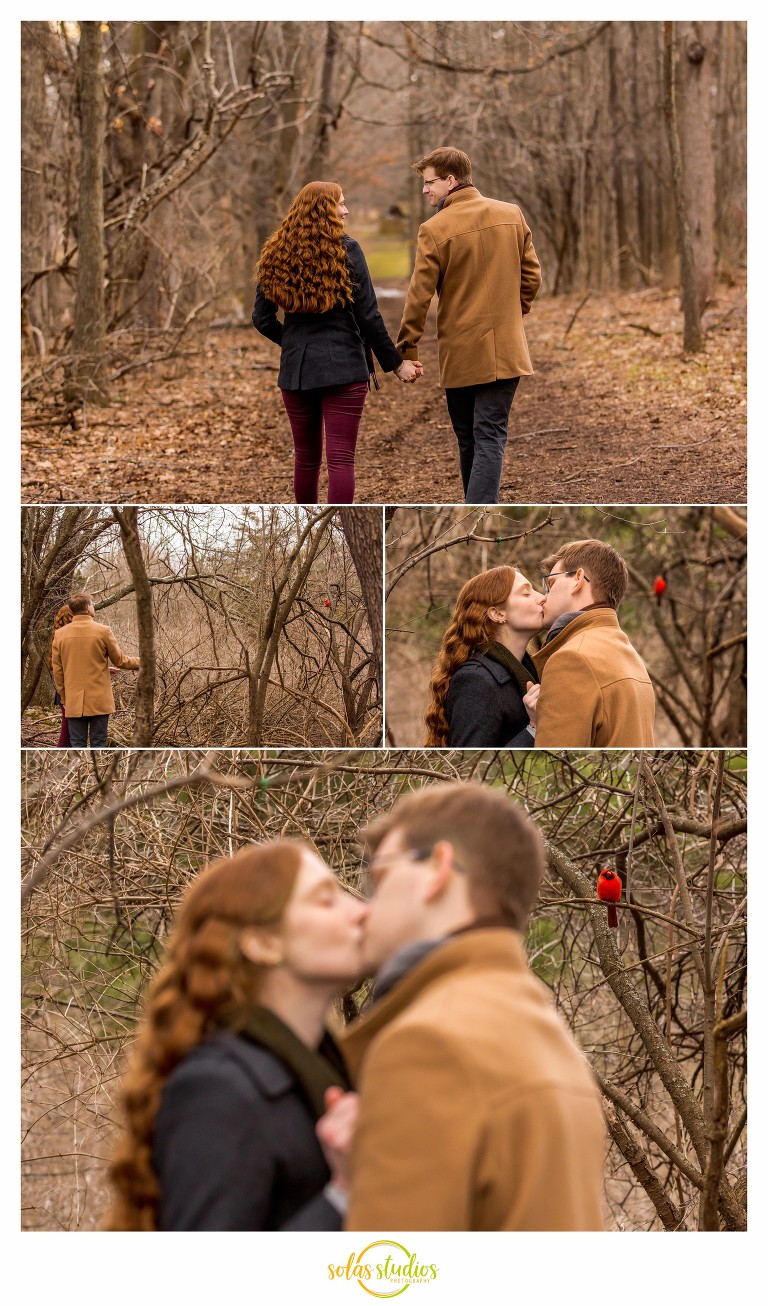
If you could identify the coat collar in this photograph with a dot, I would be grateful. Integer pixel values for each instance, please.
(463, 193)
(477, 949)
(596, 617)
(80, 617)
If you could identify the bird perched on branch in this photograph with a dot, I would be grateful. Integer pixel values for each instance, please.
(609, 891)
(659, 589)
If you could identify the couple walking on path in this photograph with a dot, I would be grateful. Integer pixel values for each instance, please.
(474, 253)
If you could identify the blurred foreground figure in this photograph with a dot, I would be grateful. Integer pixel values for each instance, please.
(232, 1060)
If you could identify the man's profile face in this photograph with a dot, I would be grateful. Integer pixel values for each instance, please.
(436, 188)
(395, 917)
(558, 589)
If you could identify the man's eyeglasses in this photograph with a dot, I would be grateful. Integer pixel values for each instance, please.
(430, 181)
(553, 575)
(373, 873)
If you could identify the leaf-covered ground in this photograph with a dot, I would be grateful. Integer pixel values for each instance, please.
(615, 413)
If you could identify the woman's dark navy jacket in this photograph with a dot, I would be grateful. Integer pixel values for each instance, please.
(484, 707)
(320, 349)
(235, 1145)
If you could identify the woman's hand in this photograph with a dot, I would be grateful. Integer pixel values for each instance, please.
(335, 1130)
(408, 371)
(530, 699)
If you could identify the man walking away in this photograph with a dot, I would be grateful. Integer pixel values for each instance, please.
(477, 255)
(80, 658)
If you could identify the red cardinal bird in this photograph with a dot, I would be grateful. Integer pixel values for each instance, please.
(609, 890)
(659, 589)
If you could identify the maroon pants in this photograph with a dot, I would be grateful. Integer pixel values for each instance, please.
(339, 408)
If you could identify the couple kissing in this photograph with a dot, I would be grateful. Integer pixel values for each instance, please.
(586, 687)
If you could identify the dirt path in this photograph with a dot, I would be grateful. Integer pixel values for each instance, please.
(614, 414)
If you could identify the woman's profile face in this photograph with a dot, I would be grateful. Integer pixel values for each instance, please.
(341, 207)
(524, 606)
(322, 927)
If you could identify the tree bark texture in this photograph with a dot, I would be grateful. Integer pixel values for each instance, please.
(33, 223)
(326, 110)
(363, 532)
(144, 717)
(698, 55)
(87, 382)
(692, 336)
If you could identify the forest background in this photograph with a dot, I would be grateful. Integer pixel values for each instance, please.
(693, 639)
(156, 157)
(659, 1006)
(258, 625)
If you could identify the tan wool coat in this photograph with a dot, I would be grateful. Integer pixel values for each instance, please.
(595, 690)
(80, 658)
(477, 255)
(477, 1109)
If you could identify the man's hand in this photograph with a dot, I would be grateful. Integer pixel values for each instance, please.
(409, 372)
(530, 699)
(335, 1131)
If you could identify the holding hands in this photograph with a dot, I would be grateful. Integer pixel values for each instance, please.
(409, 372)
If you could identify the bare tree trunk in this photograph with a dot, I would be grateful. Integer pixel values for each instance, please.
(619, 189)
(692, 337)
(326, 113)
(697, 65)
(642, 191)
(34, 38)
(144, 717)
(362, 529)
(87, 377)
(670, 1216)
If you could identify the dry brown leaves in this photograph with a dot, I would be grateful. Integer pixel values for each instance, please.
(615, 413)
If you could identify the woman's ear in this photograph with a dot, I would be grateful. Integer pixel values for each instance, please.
(261, 946)
(497, 617)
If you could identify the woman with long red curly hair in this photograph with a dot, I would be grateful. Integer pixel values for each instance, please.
(484, 685)
(318, 276)
(232, 1061)
(62, 618)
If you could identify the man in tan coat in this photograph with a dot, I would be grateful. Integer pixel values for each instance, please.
(595, 690)
(477, 255)
(81, 654)
(477, 1109)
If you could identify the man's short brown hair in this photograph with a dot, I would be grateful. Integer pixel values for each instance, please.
(497, 845)
(79, 603)
(447, 162)
(605, 568)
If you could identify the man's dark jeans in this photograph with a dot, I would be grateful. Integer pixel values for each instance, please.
(79, 727)
(479, 415)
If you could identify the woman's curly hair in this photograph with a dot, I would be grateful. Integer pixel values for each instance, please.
(62, 618)
(470, 632)
(303, 266)
(203, 982)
